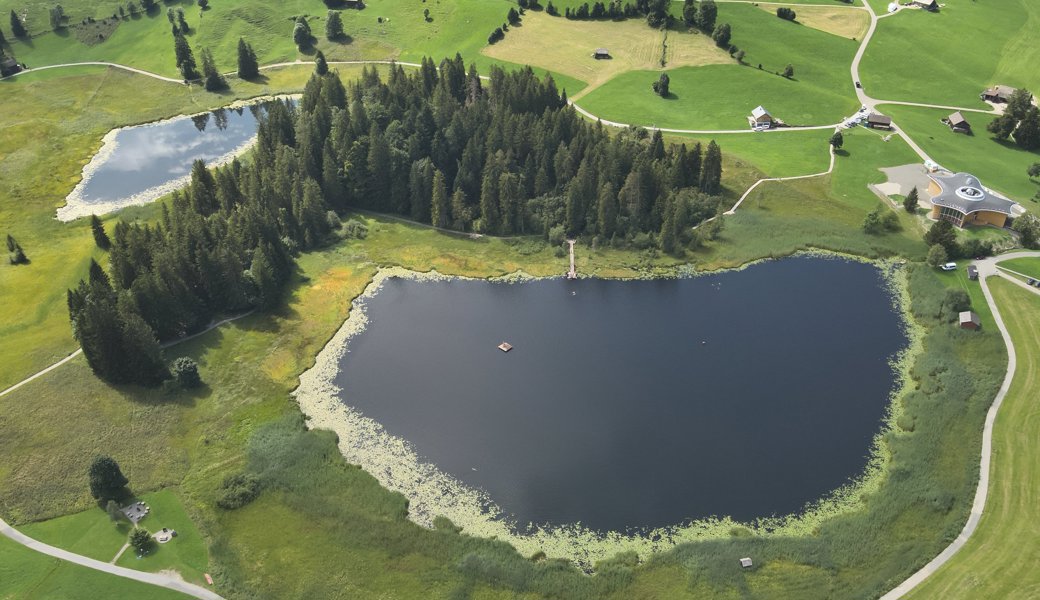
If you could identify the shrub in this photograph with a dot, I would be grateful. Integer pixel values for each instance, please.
(355, 229)
(786, 13)
(106, 478)
(239, 490)
(936, 256)
(186, 372)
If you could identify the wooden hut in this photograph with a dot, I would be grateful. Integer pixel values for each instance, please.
(958, 123)
(970, 320)
(601, 53)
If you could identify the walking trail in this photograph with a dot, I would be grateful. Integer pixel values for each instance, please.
(166, 581)
(987, 268)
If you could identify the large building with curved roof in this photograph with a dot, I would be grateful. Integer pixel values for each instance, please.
(962, 200)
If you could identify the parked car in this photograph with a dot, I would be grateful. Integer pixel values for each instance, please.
(858, 85)
(950, 266)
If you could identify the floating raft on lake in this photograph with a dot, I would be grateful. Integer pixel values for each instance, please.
(505, 346)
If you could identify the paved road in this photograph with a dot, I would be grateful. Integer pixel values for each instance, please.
(166, 581)
(987, 268)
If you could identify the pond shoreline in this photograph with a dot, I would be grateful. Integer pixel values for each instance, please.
(432, 493)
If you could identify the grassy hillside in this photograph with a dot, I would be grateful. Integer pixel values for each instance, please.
(949, 57)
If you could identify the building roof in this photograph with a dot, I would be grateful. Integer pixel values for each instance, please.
(958, 119)
(879, 119)
(1000, 91)
(970, 317)
(602, 51)
(760, 112)
(965, 193)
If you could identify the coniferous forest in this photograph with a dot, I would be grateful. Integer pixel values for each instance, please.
(439, 145)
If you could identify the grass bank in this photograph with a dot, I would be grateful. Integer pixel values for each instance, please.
(999, 560)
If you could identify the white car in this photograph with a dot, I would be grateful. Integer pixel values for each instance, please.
(950, 266)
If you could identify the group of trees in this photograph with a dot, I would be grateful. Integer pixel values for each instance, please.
(786, 13)
(880, 220)
(302, 33)
(436, 146)
(614, 11)
(57, 17)
(512, 18)
(942, 242)
(1020, 119)
(177, 22)
(661, 85)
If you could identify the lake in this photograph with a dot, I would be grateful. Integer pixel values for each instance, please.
(137, 165)
(636, 404)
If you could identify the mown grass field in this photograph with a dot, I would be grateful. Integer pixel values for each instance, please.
(773, 155)
(91, 533)
(565, 46)
(1030, 267)
(999, 165)
(28, 575)
(951, 56)
(837, 20)
(721, 96)
(999, 561)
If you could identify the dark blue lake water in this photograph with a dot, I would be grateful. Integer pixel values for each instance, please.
(636, 403)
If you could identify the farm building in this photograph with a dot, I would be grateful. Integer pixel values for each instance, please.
(970, 320)
(760, 116)
(961, 200)
(998, 93)
(958, 123)
(601, 53)
(876, 121)
(9, 66)
(927, 4)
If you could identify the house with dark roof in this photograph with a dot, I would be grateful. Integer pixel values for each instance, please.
(962, 200)
(998, 93)
(876, 121)
(958, 123)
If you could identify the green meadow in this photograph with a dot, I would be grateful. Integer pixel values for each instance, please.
(722, 96)
(1030, 267)
(951, 56)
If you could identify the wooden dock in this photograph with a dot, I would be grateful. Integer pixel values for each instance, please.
(572, 274)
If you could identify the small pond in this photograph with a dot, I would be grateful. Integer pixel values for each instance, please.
(636, 404)
(137, 165)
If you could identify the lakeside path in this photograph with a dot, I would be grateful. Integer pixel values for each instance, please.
(166, 581)
(987, 268)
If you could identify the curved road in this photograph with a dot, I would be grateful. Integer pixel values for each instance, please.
(987, 268)
(166, 581)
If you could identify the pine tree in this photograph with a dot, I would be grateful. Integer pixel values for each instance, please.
(1027, 134)
(910, 203)
(185, 58)
(302, 33)
(459, 210)
(214, 81)
(17, 29)
(333, 26)
(248, 68)
(106, 478)
(788, 71)
(439, 204)
(606, 210)
(321, 67)
(711, 170)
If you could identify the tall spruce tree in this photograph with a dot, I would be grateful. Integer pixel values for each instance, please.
(333, 26)
(248, 68)
(321, 66)
(439, 203)
(100, 237)
(185, 58)
(212, 78)
(711, 170)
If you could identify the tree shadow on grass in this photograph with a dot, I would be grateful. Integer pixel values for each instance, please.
(842, 152)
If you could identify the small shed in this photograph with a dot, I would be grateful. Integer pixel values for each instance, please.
(761, 116)
(601, 53)
(745, 562)
(8, 66)
(998, 93)
(958, 123)
(973, 272)
(505, 346)
(876, 121)
(970, 320)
